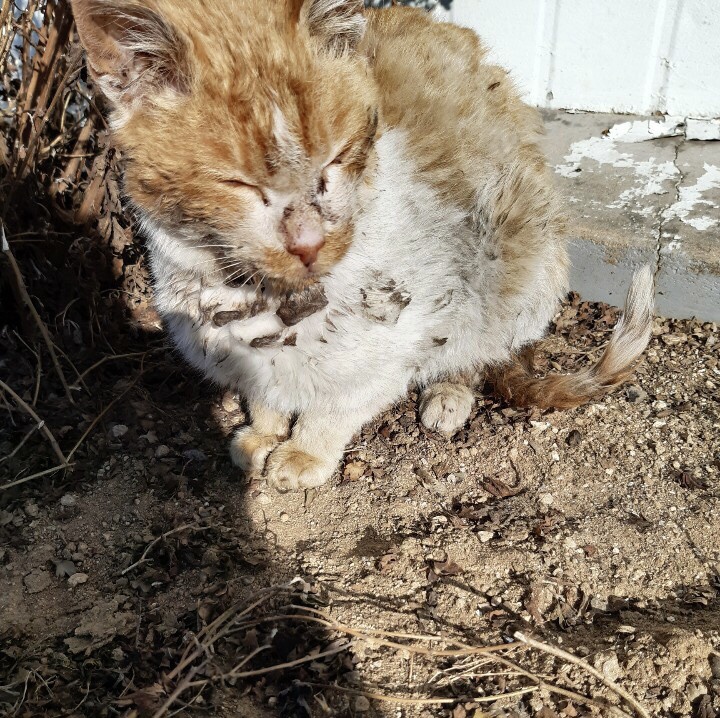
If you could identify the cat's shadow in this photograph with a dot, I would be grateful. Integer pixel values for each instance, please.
(165, 433)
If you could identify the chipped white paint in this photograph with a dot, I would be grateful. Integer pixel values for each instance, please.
(650, 179)
(689, 198)
(603, 149)
(702, 129)
(629, 56)
(650, 175)
(645, 130)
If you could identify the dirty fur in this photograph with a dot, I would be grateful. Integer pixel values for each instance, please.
(339, 204)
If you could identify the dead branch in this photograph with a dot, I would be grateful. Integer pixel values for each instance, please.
(570, 658)
(41, 425)
(32, 477)
(23, 293)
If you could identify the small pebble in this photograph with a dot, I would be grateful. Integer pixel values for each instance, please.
(362, 704)
(263, 499)
(118, 430)
(67, 500)
(284, 517)
(635, 394)
(230, 403)
(76, 579)
(162, 451)
(37, 580)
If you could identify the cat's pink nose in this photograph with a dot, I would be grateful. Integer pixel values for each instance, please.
(304, 236)
(306, 245)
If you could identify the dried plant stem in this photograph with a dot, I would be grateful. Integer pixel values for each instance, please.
(329, 623)
(22, 291)
(425, 701)
(32, 477)
(29, 433)
(77, 155)
(214, 629)
(566, 693)
(235, 674)
(109, 357)
(41, 425)
(570, 658)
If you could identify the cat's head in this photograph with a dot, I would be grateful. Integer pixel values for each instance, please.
(246, 125)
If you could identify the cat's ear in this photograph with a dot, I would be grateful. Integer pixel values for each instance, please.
(338, 24)
(132, 51)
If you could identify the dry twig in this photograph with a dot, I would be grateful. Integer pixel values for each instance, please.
(40, 424)
(570, 658)
(22, 291)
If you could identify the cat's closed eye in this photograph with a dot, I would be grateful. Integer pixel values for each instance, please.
(325, 177)
(236, 182)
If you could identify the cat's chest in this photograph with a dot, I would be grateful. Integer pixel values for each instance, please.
(330, 314)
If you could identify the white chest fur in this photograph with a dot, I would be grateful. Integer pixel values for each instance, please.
(415, 298)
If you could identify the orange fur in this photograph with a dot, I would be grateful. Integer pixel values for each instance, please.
(221, 124)
(466, 122)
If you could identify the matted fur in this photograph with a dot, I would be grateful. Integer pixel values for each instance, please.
(377, 188)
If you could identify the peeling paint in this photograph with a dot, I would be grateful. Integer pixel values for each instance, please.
(651, 175)
(645, 130)
(690, 197)
(651, 178)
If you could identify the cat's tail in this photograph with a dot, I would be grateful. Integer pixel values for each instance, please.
(515, 381)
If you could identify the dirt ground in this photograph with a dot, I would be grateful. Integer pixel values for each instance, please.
(593, 530)
(555, 565)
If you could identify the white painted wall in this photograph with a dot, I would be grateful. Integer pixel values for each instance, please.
(638, 56)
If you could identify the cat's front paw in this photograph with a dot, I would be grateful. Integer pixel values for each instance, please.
(289, 468)
(445, 407)
(250, 448)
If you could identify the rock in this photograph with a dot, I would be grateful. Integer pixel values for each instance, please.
(635, 394)
(546, 499)
(77, 578)
(362, 704)
(67, 500)
(672, 340)
(485, 536)
(118, 431)
(263, 499)
(230, 403)
(162, 451)
(37, 580)
(607, 663)
(31, 509)
(284, 517)
(354, 470)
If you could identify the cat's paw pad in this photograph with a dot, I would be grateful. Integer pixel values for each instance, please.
(446, 407)
(289, 468)
(249, 449)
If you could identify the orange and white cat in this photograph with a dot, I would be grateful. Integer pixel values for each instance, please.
(338, 204)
